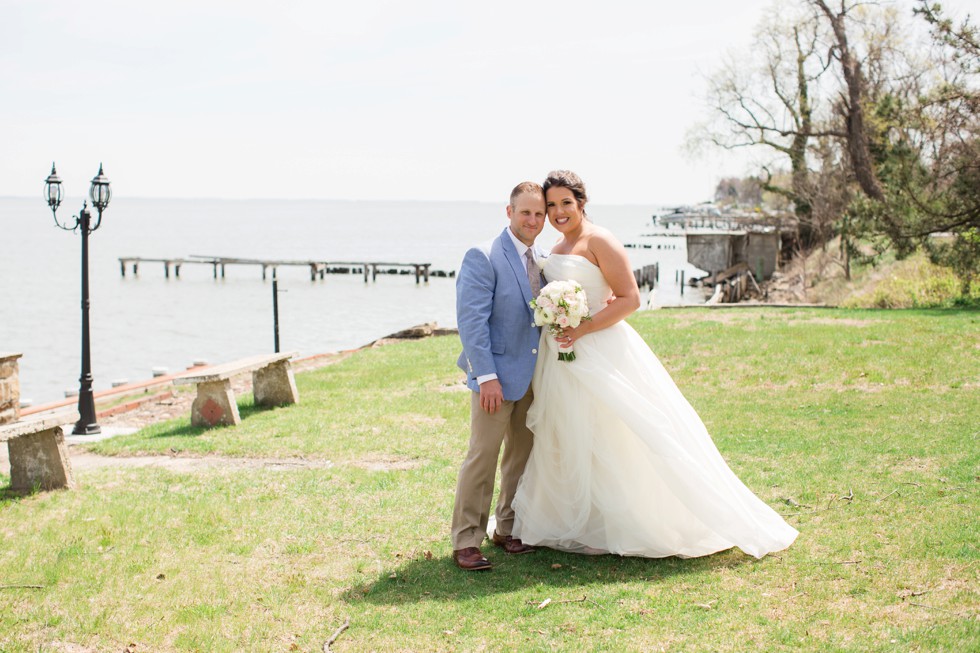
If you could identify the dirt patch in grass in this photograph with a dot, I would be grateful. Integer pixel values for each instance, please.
(772, 385)
(874, 387)
(424, 420)
(81, 461)
(916, 465)
(68, 647)
(751, 320)
(458, 386)
(844, 321)
(746, 318)
(687, 317)
(386, 463)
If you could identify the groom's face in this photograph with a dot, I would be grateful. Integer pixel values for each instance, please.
(527, 216)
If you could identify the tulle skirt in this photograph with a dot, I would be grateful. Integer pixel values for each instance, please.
(623, 464)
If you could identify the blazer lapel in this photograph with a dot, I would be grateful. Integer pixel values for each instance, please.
(510, 253)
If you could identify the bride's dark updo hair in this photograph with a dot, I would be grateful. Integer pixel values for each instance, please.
(571, 181)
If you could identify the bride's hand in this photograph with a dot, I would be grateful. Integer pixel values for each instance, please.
(569, 335)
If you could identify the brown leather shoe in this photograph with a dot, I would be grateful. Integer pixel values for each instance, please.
(511, 544)
(471, 559)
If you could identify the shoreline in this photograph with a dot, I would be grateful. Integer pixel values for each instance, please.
(139, 404)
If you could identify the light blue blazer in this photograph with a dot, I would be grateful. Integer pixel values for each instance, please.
(496, 324)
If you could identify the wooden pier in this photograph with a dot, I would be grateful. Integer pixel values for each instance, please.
(648, 276)
(370, 269)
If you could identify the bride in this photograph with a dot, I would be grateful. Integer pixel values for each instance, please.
(621, 461)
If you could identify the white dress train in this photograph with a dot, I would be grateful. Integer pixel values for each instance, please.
(621, 461)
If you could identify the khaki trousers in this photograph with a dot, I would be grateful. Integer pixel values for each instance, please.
(474, 489)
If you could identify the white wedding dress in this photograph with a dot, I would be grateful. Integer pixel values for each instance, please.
(621, 461)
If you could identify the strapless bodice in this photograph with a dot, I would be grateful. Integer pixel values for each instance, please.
(564, 267)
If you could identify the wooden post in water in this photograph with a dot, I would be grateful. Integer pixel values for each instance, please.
(423, 271)
(275, 310)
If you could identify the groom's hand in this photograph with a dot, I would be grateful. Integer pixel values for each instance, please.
(491, 396)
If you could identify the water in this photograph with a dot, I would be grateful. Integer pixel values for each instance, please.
(138, 324)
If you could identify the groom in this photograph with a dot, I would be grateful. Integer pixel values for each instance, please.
(500, 345)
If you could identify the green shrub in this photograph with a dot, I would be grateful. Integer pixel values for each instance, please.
(914, 283)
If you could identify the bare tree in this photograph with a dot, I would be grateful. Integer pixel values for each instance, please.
(871, 129)
(852, 105)
(767, 103)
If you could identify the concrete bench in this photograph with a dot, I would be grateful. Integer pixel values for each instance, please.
(273, 384)
(38, 454)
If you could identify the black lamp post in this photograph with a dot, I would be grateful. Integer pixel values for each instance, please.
(99, 193)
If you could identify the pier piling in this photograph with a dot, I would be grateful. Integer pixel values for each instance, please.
(318, 269)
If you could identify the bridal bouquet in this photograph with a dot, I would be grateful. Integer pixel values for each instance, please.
(561, 304)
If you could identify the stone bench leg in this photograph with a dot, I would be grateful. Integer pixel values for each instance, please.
(40, 460)
(215, 405)
(275, 385)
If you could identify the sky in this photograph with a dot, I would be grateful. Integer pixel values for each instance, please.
(362, 99)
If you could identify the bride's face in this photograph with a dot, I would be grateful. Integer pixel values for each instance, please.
(564, 212)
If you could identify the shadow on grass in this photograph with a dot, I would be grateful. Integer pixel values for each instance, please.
(183, 429)
(10, 495)
(544, 574)
(960, 307)
(7, 495)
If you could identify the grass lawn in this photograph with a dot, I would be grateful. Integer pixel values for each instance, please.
(860, 426)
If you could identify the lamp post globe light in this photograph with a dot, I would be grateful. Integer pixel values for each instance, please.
(99, 194)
